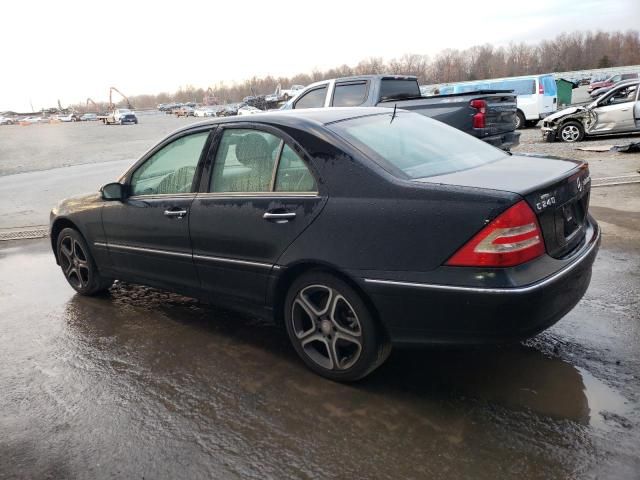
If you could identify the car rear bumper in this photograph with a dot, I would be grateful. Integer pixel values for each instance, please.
(505, 141)
(428, 313)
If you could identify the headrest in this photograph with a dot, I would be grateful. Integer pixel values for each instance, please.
(253, 151)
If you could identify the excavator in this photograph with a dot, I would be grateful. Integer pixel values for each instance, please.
(95, 105)
(210, 97)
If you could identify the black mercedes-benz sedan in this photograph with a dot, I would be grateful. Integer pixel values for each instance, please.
(358, 229)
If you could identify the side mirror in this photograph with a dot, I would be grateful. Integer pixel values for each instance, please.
(112, 191)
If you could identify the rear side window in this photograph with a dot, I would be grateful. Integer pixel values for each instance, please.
(313, 99)
(244, 161)
(293, 175)
(414, 146)
(395, 89)
(350, 94)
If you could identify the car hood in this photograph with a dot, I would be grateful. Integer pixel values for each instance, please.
(600, 84)
(522, 173)
(77, 203)
(565, 112)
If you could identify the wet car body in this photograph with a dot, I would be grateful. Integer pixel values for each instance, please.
(616, 111)
(388, 237)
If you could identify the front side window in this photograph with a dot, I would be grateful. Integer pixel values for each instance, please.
(414, 146)
(313, 99)
(171, 169)
(246, 160)
(350, 94)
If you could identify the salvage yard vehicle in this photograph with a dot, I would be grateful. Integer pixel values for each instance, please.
(537, 95)
(70, 117)
(358, 228)
(248, 110)
(289, 93)
(184, 111)
(89, 117)
(120, 116)
(487, 116)
(617, 111)
(611, 80)
(6, 120)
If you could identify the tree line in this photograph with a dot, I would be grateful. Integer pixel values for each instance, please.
(566, 52)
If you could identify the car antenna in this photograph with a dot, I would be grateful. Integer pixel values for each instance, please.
(394, 113)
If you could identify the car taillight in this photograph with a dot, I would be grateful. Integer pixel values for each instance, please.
(540, 88)
(479, 120)
(512, 238)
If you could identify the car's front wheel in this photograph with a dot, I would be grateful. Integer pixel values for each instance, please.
(571, 132)
(78, 265)
(332, 329)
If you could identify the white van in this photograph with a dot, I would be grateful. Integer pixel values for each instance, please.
(537, 94)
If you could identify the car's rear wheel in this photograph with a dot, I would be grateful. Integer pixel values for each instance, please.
(78, 265)
(571, 132)
(521, 122)
(332, 329)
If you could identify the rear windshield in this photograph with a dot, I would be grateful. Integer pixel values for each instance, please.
(414, 146)
(394, 89)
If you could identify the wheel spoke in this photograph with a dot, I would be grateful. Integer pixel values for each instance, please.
(311, 336)
(302, 303)
(355, 331)
(318, 310)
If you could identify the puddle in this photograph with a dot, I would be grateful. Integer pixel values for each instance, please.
(606, 406)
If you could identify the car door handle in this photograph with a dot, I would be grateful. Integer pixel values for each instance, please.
(279, 217)
(624, 109)
(175, 213)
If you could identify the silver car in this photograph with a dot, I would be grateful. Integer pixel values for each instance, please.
(617, 111)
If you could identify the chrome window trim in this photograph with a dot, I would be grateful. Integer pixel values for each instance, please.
(162, 195)
(527, 289)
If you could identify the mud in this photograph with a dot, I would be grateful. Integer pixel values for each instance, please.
(144, 384)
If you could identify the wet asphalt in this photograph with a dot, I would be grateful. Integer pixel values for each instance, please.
(144, 384)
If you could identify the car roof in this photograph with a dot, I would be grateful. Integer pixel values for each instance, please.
(304, 117)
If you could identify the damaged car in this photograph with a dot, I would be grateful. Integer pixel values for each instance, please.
(617, 111)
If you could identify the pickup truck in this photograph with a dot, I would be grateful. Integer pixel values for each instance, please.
(486, 114)
(119, 116)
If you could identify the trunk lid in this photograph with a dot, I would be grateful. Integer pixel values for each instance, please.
(557, 190)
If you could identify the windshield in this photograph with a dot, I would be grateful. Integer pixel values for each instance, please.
(415, 146)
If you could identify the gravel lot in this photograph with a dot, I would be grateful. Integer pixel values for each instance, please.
(602, 164)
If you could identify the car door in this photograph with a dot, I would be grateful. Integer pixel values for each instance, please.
(616, 111)
(260, 193)
(148, 232)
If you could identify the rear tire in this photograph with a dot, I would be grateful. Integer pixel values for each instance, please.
(571, 132)
(521, 122)
(332, 329)
(78, 265)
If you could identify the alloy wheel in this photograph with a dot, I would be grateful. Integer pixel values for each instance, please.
(74, 263)
(570, 133)
(327, 327)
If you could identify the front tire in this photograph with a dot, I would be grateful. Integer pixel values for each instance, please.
(78, 265)
(332, 329)
(521, 122)
(571, 132)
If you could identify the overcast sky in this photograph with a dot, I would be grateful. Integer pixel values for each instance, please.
(71, 50)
